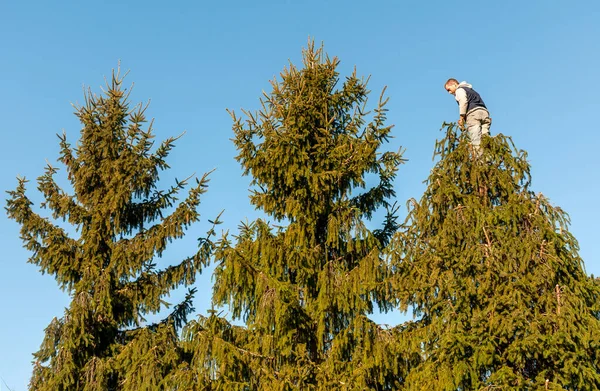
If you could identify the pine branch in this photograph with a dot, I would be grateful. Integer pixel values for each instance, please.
(62, 205)
(53, 250)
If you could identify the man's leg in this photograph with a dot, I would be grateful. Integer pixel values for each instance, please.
(474, 128)
(478, 125)
(486, 122)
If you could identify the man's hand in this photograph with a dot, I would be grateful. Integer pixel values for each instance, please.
(461, 122)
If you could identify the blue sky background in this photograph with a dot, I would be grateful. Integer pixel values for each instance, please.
(535, 63)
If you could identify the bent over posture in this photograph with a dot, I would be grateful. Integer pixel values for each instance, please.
(472, 111)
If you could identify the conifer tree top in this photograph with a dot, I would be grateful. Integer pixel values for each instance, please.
(493, 275)
(124, 222)
(310, 145)
(304, 290)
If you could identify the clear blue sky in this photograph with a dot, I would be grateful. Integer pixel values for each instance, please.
(535, 63)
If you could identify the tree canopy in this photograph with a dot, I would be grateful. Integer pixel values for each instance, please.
(494, 278)
(304, 285)
(120, 223)
(488, 268)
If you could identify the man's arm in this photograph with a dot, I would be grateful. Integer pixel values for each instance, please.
(461, 97)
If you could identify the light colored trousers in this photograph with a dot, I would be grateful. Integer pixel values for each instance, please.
(478, 123)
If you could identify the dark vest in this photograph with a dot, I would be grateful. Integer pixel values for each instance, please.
(473, 99)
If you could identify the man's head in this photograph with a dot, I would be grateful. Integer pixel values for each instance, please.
(451, 86)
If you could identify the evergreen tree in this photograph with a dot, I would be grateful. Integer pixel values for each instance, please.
(304, 287)
(124, 223)
(493, 275)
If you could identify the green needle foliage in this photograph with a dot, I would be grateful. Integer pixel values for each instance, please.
(123, 223)
(493, 275)
(304, 289)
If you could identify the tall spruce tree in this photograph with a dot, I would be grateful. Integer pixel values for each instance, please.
(304, 287)
(123, 223)
(500, 294)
